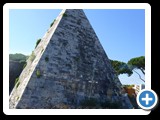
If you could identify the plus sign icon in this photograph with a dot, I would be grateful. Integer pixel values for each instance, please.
(147, 99)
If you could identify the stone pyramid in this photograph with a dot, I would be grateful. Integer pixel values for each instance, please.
(67, 68)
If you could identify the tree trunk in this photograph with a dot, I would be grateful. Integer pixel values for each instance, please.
(142, 71)
(139, 76)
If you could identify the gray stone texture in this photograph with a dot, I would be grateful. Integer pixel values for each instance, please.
(72, 66)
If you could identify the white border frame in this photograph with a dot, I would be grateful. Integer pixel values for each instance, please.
(8, 6)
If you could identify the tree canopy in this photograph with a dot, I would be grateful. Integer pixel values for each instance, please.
(137, 63)
(121, 67)
(129, 68)
(18, 57)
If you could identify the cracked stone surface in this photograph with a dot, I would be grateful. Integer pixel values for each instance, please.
(67, 66)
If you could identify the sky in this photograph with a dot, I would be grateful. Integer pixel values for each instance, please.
(120, 31)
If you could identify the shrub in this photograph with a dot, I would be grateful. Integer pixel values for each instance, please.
(42, 50)
(38, 73)
(38, 41)
(46, 59)
(52, 23)
(16, 80)
(17, 98)
(32, 56)
(24, 65)
(17, 84)
(65, 15)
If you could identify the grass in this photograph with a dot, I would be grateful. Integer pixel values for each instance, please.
(17, 98)
(17, 84)
(16, 80)
(38, 73)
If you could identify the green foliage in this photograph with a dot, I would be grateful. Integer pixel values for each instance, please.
(128, 86)
(17, 57)
(46, 59)
(65, 15)
(137, 63)
(42, 50)
(16, 80)
(25, 65)
(52, 23)
(17, 84)
(38, 41)
(32, 56)
(27, 57)
(17, 98)
(129, 68)
(38, 73)
(121, 67)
